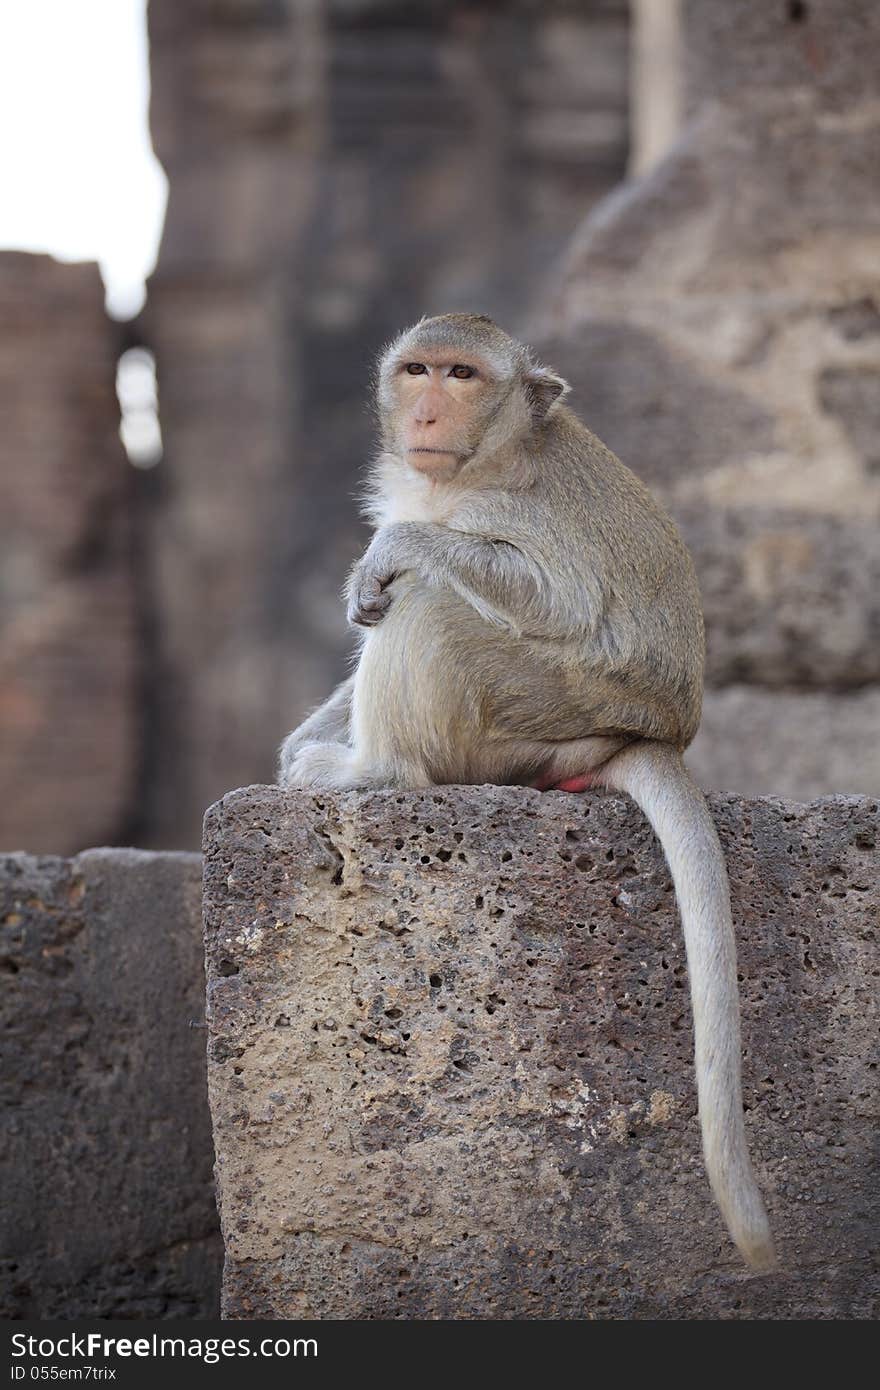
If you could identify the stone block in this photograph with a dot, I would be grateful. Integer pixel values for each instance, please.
(450, 1057)
(797, 744)
(789, 602)
(108, 1205)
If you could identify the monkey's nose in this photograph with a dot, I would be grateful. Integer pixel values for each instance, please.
(427, 408)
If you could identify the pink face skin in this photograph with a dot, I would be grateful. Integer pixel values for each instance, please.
(441, 408)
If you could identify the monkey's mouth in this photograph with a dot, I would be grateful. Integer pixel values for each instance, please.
(450, 453)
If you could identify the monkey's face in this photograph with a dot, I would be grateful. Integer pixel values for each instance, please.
(455, 388)
(440, 407)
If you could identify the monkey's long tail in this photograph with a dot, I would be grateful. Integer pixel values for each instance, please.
(654, 775)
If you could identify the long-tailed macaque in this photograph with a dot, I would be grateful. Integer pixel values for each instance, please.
(530, 616)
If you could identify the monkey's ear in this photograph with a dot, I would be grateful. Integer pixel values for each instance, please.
(543, 390)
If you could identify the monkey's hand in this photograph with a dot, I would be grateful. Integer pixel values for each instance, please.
(366, 591)
(368, 601)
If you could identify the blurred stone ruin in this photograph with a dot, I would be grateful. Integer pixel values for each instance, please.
(339, 168)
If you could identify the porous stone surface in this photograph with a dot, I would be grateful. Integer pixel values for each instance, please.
(450, 1059)
(105, 1167)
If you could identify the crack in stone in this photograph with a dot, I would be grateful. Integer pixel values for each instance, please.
(335, 852)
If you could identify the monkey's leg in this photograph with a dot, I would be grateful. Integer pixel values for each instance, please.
(368, 749)
(330, 723)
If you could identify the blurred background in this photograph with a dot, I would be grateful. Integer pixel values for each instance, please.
(676, 201)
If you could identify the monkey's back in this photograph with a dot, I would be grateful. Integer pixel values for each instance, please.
(646, 639)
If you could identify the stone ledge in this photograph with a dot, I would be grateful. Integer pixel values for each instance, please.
(108, 1204)
(450, 1057)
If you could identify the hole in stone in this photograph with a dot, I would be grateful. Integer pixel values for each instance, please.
(227, 967)
(435, 981)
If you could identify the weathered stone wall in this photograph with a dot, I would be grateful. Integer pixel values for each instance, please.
(450, 1058)
(719, 320)
(336, 170)
(235, 110)
(106, 1159)
(69, 730)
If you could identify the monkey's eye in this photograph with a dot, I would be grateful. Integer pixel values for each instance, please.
(462, 373)
(416, 368)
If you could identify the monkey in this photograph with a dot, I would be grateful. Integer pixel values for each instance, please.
(529, 615)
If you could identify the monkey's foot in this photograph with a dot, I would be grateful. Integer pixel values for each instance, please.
(322, 766)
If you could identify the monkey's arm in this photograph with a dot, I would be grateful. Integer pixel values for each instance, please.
(328, 724)
(506, 586)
